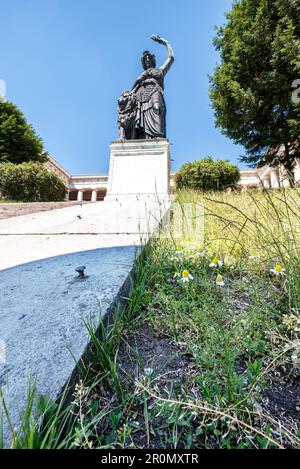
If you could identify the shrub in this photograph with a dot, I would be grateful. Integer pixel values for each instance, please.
(30, 182)
(18, 140)
(207, 175)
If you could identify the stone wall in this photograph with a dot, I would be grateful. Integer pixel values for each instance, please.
(17, 209)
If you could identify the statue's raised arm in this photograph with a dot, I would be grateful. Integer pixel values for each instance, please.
(168, 63)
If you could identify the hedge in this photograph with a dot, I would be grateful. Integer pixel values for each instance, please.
(207, 175)
(30, 182)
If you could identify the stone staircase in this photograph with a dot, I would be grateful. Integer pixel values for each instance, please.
(16, 209)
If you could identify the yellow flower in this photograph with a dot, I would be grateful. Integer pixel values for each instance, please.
(201, 252)
(278, 270)
(186, 276)
(219, 281)
(216, 262)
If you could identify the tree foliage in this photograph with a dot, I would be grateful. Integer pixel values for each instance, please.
(30, 182)
(251, 89)
(18, 140)
(207, 175)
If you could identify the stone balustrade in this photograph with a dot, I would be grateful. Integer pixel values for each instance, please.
(93, 188)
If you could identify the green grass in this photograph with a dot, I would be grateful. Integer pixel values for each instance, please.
(233, 340)
(8, 201)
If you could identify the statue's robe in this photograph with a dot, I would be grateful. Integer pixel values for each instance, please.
(150, 118)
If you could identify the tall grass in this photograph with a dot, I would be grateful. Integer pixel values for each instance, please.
(264, 224)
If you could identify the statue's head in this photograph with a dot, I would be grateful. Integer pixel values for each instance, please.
(148, 60)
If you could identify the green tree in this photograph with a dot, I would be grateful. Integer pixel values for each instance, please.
(251, 89)
(207, 175)
(30, 182)
(18, 140)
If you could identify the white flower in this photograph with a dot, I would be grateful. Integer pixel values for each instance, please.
(148, 371)
(200, 252)
(178, 255)
(219, 281)
(252, 258)
(216, 263)
(186, 276)
(278, 270)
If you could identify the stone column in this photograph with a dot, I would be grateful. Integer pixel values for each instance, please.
(297, 172)
(274, 179)
(80, 196)
(94, 196)
(283, 177)
(267, 182)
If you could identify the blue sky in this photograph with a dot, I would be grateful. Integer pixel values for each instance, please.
(65, 62)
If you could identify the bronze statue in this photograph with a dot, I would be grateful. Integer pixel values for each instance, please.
(142, 111)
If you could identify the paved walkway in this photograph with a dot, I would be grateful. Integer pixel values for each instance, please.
(77, 228)
(43, 310)
(43, 305)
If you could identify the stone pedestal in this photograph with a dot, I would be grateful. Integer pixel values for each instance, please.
(139, 168)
